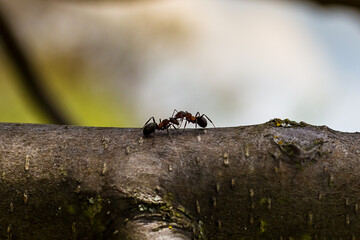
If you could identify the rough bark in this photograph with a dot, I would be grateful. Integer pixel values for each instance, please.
(278, 180)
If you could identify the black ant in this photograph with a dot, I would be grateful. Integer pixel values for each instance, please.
(198, 119)
(149, 128)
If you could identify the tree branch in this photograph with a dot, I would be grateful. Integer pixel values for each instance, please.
(277, 180)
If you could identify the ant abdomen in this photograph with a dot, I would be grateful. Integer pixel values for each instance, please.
(149, 129)
(201, 121)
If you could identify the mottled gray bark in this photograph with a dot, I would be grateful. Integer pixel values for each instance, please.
(278, 180)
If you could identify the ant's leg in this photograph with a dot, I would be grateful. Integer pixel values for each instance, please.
(184, 127)
(148, 122)
(175, 128)
(209, 120)
(175, 111)
(169, 134)
(196, 117)
(181, 122)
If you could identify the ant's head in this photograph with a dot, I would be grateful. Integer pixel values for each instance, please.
(180, 114)
(165, 121)
(149, 128)
(174, 121)
(201, 121)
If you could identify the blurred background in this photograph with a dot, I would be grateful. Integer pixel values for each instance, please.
(241, 62)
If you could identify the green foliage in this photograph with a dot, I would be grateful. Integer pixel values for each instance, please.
(83, 100)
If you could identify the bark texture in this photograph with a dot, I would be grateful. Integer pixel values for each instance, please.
(278, 180)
